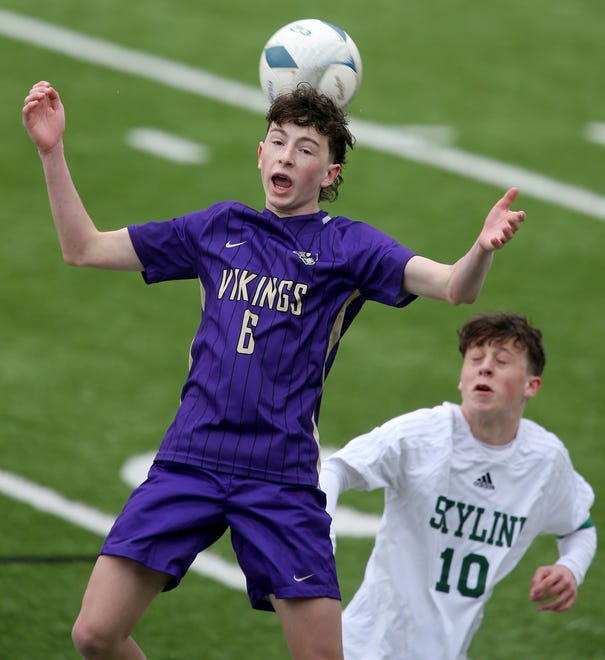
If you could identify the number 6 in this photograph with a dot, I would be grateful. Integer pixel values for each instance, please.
(245, 343)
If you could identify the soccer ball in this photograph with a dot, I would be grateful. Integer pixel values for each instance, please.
(314, 52)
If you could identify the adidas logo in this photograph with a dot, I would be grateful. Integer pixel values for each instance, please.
(485, 482)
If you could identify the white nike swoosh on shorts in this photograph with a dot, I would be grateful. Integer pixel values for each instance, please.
(302, 579)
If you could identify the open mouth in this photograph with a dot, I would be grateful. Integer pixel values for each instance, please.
(281, 182)
(483, 388)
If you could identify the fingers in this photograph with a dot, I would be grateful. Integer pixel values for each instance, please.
(554, 587)
(547, 583)
(509, 197)
(40, 91)
(561, 603)
(514, 217)
(41, 103)
(507, 229)
(541, 573)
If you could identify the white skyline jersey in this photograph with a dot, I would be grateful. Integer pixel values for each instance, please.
(458, 516)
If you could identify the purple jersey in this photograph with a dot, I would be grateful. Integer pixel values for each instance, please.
(277, 295)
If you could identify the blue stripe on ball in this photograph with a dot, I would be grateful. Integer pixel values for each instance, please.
(350, 63)
(279, 58)
(342, 33)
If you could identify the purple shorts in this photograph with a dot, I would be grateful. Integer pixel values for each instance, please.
(280, 532)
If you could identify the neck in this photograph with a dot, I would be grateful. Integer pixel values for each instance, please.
(493, 429)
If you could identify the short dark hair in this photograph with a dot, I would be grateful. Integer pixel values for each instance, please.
(306, 106)
(499, 327)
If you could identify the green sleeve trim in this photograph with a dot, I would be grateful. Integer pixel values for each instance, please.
(585, 525)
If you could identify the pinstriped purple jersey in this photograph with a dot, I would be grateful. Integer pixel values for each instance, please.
(277, 295)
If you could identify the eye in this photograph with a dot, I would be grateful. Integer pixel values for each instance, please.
(502, 358)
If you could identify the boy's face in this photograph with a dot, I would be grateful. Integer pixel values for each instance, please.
(495, 379)
(295, 164)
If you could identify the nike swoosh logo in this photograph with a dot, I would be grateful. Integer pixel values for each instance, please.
(302, 579)
(229, 244)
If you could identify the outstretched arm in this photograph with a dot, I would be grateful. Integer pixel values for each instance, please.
(556, 587)
(462, 282)
(81, 243)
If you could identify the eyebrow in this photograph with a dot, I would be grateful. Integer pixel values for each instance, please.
(302, 138)
(498, 348)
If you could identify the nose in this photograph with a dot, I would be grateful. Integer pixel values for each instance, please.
(485, 368)
(286, 157)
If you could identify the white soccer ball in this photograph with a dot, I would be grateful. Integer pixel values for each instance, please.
(315, 52)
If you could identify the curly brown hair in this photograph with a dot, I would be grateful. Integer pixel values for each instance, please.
(500, 327)
(306, 106)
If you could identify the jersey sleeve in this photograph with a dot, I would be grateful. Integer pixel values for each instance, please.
(385, 456)
(569, 500)
(577, 550)
(166, 249)
(378, 265)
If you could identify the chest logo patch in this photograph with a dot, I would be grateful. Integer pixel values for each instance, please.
(308, 258)
(485, 481)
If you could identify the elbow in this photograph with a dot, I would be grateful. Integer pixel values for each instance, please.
(69, 260)
(460, 291)
(457, 298)
(74, 258)
(469, 300)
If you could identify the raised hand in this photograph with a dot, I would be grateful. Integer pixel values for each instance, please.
(501, 223)
(44, 116)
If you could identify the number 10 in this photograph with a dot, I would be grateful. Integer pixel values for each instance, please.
(467, 562)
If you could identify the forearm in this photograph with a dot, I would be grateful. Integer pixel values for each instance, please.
(456, 283)
(330, 481)
(577, 550)
(82, 244)
(468, 275)
(75, 229)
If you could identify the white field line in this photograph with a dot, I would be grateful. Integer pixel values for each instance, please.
(49, 501)
(165, 145)
(393, 141)
(595, 132)
(348, 522)
(479, 168)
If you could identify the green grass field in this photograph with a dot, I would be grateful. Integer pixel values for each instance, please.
(92, 362)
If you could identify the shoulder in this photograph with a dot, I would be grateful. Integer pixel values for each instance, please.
(403, 448)
(224, 214)
(539, 439)
(228, 207)
(354, 228)
(541, 445)
(424, 427)
(364, 238)
(567, 492)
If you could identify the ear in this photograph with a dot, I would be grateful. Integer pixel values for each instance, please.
(333, 171)
(534, 383)
(260, 152)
